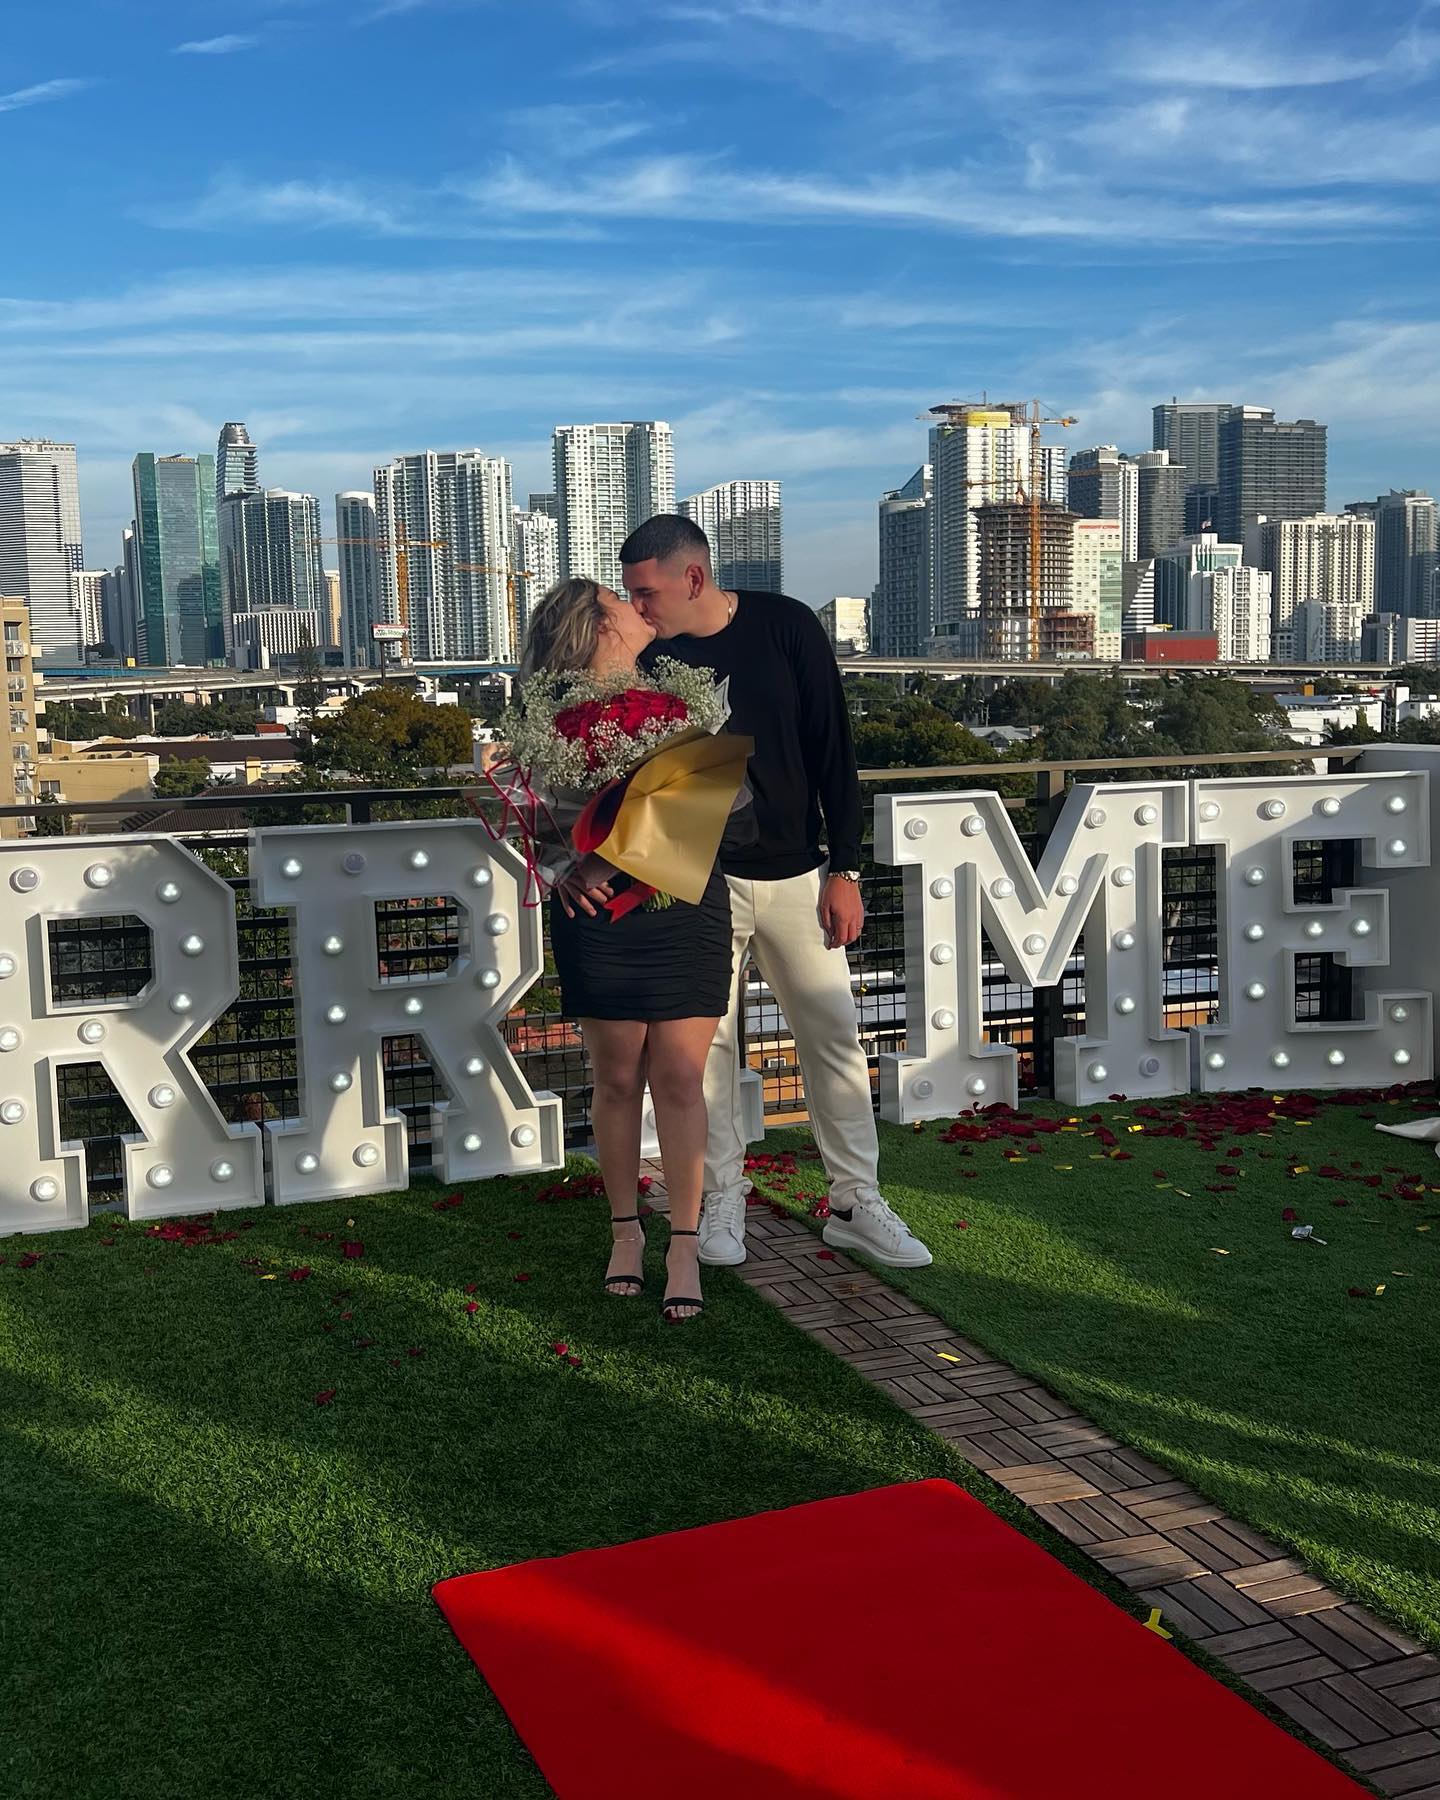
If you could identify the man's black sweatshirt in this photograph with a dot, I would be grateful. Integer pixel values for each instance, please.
(786, 693)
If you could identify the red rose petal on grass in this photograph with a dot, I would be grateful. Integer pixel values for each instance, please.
(327, 1324)
(820, 1210)
(1339, 1202)
(1356, 1293)
(346, 1315)
(574, 1362)
(472, 1306)
(825, 1255)
(107, 1242)
(300, 1274)
(515, 1235)
(1226, 1169)
(351, 1249)
(325, 1396)
(561, 1349)
(522, 1277)
(472, 1287)
(437, 1206)
(416, 1350)
(1289, 1215)
(394, 1362)
(962, 1224)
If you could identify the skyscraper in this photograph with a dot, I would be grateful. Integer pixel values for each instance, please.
(454, 510)
(609, 479)
(979, 455)
(1190, 431)
(536, 549)
(1327, 560)
(1103, 484)
(1097, 581)
(1162, 502)
(901, 618)
(742, 520)
(89, 602)
(40, 545)
(359, 578)
(237, 462)
(1268, 468)
(270, 552)
(1006, 585)
(179, 559)
(1405, 551)
(549, 504)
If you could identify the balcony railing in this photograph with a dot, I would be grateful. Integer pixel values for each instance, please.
(250, 1063)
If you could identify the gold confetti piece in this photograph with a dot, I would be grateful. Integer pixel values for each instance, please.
(1301, 1124)
(1164, 1184)
(1134, 1127)
(1300, 1169)
(1217, 1252)
(945, 1356)
(1153, 1623)
(1097, 1156)
(349, 1221)
(1381, 1288)
(1400, 1271)
(1184, 1193)
(269, 1277)
(1065, 1168)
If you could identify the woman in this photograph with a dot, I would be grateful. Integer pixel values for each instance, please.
(647, 990)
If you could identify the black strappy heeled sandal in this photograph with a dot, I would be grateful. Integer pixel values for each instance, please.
(673, 1300)
(627, 1286)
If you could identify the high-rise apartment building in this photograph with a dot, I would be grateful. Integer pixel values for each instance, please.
(1103, 484)
(18, 760)
(1007, 592)
(1325, 560)
(1190, 431)
(237, 463)
(1161, 502)
(456, 511)
(1268, 468)
(536, 549)
(549, 504)
(742, 520)
(177, 544)
(902, 618)
(270, 553)
(1322, 631)
(979, 455)
(1097, 584)
(1405, 551)
(131, 642)
(334, 610)
(40, 544)
(609, 479)
(1205, 587)
(359, 579)
(89, 589)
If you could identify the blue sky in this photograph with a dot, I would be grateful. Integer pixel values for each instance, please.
(787, 226)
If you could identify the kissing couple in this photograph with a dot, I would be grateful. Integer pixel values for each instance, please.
(656, 989)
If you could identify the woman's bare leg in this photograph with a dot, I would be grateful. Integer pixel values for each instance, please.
(617, 1062)
(675, 1063)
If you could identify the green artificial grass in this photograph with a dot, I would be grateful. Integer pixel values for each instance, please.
(214, 1582)
(1305, 1409)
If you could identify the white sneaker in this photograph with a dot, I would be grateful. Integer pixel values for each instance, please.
(874, 1228)
(722, 1230)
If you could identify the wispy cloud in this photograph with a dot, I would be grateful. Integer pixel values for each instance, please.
(44, 91)
(225, 45)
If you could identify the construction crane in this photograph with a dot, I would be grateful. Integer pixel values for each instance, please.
(1031, 415)
(512, 610)
(402, 545)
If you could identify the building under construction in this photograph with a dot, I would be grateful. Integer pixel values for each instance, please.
(1005, 531)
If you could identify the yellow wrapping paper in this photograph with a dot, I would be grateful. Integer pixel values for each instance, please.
(667, 831)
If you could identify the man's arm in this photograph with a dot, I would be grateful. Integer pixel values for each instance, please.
(830, 762)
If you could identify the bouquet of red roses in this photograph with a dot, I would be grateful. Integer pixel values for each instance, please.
(638, 778)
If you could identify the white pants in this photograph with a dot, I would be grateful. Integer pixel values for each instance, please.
(777, 923)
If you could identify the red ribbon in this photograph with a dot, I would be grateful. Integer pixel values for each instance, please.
(593, 827)
(527, 818)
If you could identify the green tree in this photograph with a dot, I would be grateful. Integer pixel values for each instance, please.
(76, 722)
(916, 735)
(1217, 714)
(179, 777)
(385, 737)
(221, 718)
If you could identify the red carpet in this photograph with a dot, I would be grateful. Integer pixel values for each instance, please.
(693, 1666)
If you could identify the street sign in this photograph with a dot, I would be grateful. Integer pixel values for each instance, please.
(389, 634)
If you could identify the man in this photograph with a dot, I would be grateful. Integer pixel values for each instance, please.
(794, 910)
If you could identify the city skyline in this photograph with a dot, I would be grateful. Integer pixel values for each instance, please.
(636, 234)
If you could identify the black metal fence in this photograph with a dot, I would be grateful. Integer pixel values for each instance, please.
(248, 1059)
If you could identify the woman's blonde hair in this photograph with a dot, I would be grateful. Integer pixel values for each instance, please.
(564, 628)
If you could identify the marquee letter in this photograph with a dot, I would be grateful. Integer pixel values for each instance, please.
(1262, 929)
(345, 1142)
(1099, 874)
(185, 1157)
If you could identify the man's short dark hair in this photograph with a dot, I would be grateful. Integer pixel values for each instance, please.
(664, 536)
